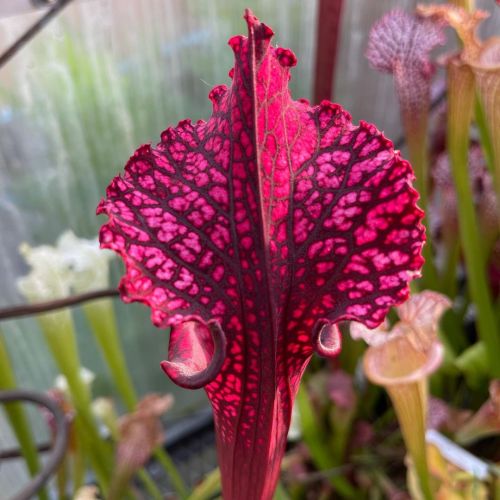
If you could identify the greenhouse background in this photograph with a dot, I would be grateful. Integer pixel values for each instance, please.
(103, 77)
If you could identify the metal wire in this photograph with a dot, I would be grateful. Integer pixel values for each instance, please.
(32, 31)
(60, 441)
(41, 307)
(10, 453)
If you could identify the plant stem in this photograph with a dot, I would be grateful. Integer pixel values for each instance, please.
(472, 363)
(484, 134)
(101, 316)
(208, 487)
(78, 469)
(449, 275)
(60, 336)
(341, 425)
(460, 107)
(415, 126)
(314, 438)
(280, 493)
(410, 404)
(17, 417)
(102, 319)
(149, 484)
(168, 464)
(119, 487)
(488, 116)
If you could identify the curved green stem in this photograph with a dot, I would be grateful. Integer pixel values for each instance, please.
(101, 316)
(460, 108)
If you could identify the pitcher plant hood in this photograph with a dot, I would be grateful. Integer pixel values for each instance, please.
(252, 235)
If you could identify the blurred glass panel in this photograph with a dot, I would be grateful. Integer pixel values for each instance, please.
(101, 79)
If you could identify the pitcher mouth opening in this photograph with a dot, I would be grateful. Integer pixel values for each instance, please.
(196, 353)
(399, 362)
